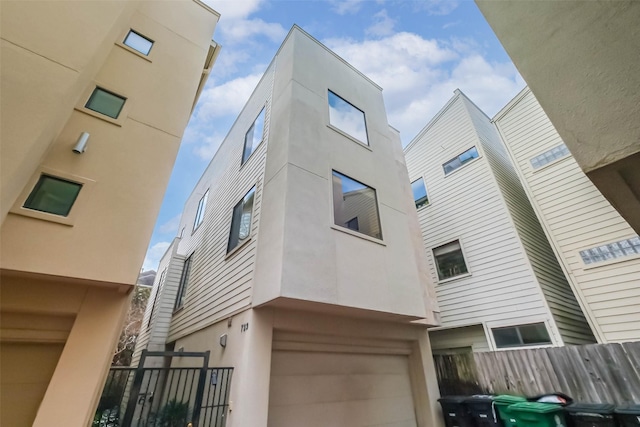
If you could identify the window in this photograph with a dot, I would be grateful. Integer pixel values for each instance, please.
(355, 206)
(614, 250)
(53, 195)
(419, 193)
(241, 220)
(105, 102)
(202, 205)
(459, 161)
(549, 156)
(253, 138)
(347, 118)
(184, 281)
(450, 260)
(138, 42)
(522, 335)
(155, 298)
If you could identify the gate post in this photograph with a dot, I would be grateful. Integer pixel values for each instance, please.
(135, 391)
(197, 406)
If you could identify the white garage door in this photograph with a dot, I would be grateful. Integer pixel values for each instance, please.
(323, 389)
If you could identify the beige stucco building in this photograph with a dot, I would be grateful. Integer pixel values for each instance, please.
(580, 61)
(597, 249)
(299, 261)
(92, 93)
(498, 283)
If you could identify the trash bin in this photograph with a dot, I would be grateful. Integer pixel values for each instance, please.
(480, 407)
(590, 415)
(455, 412)
(502, 403)
(534, 414)
(628, 415)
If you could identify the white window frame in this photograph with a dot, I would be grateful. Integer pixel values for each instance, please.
(462, 165)
(464, 257)
(200, 211)
(366, 144)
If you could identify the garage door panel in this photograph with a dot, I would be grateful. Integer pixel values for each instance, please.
(290, 363)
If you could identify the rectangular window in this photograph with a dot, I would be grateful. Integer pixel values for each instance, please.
(419, 193)
(347, 118)
(450, 260)
(253, 138)
(202, 206)
(241, 220)
(521, 335)
(155, 298)
(105, 102)
(461, 160)
(53, 195)
(550, 156)
(355, 206)
(184, 282)
(138, 42)
(614, 250)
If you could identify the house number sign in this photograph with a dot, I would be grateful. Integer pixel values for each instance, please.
(244, 327)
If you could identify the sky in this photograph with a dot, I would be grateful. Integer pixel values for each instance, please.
(419, 52)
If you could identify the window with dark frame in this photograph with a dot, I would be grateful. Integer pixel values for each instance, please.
(460, 160)
(419, 193)
(105, 102)
(253, 137)
(53, 195)
(138, 42)
(184, 282)
(355, 206)
(155, 297)
(521, 335)
(202, 206)
(241, 221)
(450, 260)
(345, 116)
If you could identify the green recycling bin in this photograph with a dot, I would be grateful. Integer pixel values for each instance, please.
(534, 414)
(502, 403)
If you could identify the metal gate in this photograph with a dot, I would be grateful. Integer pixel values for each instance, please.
(165, 396)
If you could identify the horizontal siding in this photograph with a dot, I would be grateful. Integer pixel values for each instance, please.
(575, 217)
(220, 285)
(450, 340)
(564, 307)
(466, 205)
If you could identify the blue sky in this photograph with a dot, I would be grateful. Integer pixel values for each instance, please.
(418, 51)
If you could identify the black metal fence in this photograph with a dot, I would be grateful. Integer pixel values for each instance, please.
(164, 397)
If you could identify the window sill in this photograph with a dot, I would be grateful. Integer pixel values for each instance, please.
(117, 122)
(346, 135)
(524, 347)
(451, 279)
(356, 234)
(135, 52)
(177, 310)
(251, 155)
(233, 251)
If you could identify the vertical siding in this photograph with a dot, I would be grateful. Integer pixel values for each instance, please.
(220, 283)
(501, 289)
(575, 216)
(564, 307)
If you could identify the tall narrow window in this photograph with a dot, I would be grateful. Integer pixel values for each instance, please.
(461, 160)
(241, 220)
(184, 282)
(105, 102)
(347, 118)
(138, 42)
(53, 195)
(202, 206)
(355, 206)
(155, 297)
(253, 138)
(419, 193)
(521, 335)
(450, 260)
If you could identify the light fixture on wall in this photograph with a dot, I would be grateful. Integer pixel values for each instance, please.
(223, 340)
(81, 143)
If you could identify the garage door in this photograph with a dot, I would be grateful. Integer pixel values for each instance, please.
(339, 389)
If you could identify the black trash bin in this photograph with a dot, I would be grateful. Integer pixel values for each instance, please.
(482, 410)
(455, 411)
(590, 415)
(628, 415)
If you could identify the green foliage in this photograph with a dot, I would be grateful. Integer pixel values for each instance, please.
(173, 414)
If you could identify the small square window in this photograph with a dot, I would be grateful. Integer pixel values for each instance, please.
(184, 282)
(461, 160)
(53, 195)
(347, 118)
(241, 220)
(419, 193)
(253, 138)
(355, 206)
(521, 335)
(138, 42)
(202, 206)
(450, 260)
(105, 102)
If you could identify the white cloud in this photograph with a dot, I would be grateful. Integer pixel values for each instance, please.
(243, 29)
(171, 226)
(382, 25)
(208, 146)
(154, 254)
(343, 7)
(438, 7)
(226, 99)
(234, 9)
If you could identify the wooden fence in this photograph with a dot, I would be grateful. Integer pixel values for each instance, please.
(590, 373)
